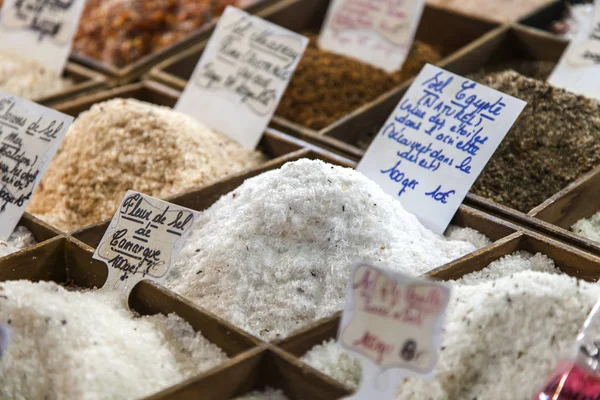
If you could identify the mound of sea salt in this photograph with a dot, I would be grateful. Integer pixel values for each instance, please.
(588, 228)
(85, 345)
(268, 394)
(276, 253)
(20, 239)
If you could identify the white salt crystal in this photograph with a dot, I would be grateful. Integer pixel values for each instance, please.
(276, 253)
(589, 228)
(268, 394)
(20, 239)
(502, 337)
(83, 345)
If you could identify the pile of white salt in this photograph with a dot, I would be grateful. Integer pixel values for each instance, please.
(85, 345)
(267, 394)
(20, 239)
(276, 253)
(506, 329)
(588, 227)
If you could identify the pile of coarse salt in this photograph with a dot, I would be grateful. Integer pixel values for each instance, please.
(124, 144)
(267, 394)
(589, 228)
(276, 253)
(20, 239)
(83, 345)
(506, 329)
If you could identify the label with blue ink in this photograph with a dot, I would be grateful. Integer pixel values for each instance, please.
(435, 144)
(377, 32)
(142, 240)
(242, 75)
(578, 70)
(44, 27)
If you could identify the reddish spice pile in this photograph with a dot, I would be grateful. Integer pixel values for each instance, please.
(120, 32)
(327, 86)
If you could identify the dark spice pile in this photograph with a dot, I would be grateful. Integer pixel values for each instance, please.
(555, 140)
(532, 69)
(327, 86)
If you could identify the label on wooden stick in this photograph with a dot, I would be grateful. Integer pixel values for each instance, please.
(142, 240)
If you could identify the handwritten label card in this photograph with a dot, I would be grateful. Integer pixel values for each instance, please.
(578, 70)
(392, 322)
(242, 75)
(377, 32)
(437, 141)
(45, 28)
(142, 240)
(30, 135)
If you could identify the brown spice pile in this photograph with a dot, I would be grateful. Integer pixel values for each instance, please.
(496, 10)
(128, 144)
(555, 140)
(327, 86)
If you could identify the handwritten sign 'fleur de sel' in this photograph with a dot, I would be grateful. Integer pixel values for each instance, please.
(142, 240)
(437, 141)
(241, 76)
(44, 27)
(393, 323)
(30, 135)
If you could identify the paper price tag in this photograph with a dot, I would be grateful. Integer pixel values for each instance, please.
(45, 28)
(142, 240)
(431, 149)
(241, 76)
(30, 135)
(377, 32)
(393, 323)
(578, 69)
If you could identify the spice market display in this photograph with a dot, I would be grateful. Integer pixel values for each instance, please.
(250, 257)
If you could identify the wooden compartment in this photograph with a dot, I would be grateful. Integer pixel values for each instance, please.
(570, 260)
(264, 367)
(65, 260)
(453, 31)
(85, 80)
(275, 145)
(129, 73)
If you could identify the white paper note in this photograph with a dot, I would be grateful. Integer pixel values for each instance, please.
(376, 32)
(241, 76)
(578, 69)
(437, 141)
(41, 30)
(393, 324)
(30, 135)
(142, 240)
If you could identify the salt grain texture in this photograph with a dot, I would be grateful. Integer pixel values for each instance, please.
(29, 79)
(502, 336)
(268, 394)
(276, 253)
(126, 144)
(84, 345)
(20, 239)
(589, 228)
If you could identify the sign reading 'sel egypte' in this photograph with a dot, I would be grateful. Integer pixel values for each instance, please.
(143, 238)
(30, 135)
(437, 141)
(44, 27)
(241, 76)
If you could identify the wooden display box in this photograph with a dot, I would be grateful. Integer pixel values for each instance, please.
(570, 260)
(129, 73)
(452, 32)
(65, 260)
(275, 145)
(264, 367)
(85, 80)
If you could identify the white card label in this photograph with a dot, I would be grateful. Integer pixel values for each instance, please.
(30, 135)
(578, 69)
(142, 240)
(392, 322)
(377, 32)
(241, 76)
(437, 141)
(45, 28)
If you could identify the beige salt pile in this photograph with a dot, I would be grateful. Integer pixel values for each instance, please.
(502, 11)
(126, 144)
(28, 79)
